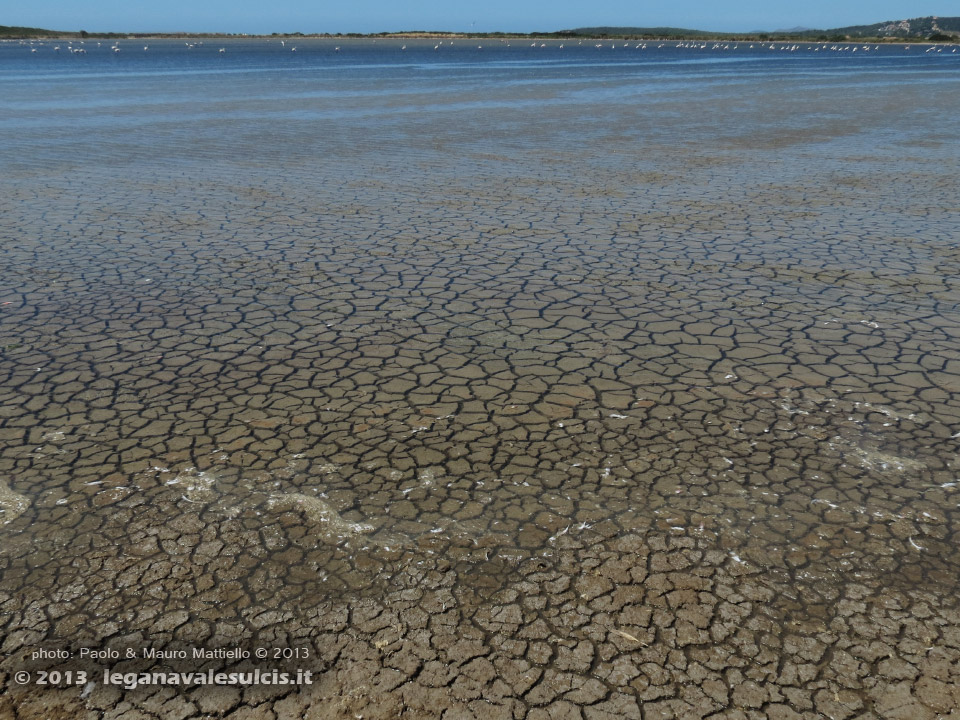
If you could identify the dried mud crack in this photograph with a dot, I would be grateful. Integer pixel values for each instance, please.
(486, 425)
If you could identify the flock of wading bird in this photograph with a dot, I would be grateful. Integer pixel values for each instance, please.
(80, 49)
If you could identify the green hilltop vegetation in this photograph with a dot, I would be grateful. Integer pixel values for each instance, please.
(7, 31)
(926, 28)
(638, 32)
(644, 32)
(931, 28)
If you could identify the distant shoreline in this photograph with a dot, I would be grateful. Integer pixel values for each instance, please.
(719, 37)
(914, 31)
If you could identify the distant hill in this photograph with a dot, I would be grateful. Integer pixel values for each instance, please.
(7, 31)
(939, 29)
(659, 32)
(914, 29)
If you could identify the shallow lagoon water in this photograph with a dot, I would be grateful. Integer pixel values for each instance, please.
(511, 381)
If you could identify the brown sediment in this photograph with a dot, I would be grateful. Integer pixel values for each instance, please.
(675, 449)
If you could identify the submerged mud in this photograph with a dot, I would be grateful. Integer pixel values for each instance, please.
(666, 432)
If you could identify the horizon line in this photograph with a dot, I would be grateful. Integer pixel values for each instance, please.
(468, 33)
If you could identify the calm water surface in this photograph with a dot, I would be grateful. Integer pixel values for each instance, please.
(283, 330)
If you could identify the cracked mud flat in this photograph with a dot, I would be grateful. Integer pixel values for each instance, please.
(495, 424)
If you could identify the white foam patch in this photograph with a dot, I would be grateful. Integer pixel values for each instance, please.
(331, 525)
(874, 459)
(197, 485)
(891, 413)
(12, 505)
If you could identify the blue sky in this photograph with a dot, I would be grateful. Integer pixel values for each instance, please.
(257, 16)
